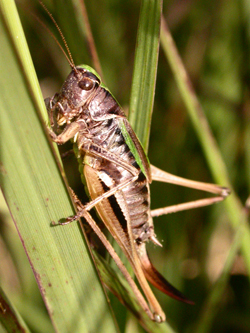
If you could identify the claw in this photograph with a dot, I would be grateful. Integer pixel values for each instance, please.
(156, 279)
(155, 241)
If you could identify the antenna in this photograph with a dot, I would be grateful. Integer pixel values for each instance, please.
(69, 56)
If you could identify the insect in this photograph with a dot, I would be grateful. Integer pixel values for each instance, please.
(117, 173)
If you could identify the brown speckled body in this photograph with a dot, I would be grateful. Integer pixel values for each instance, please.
(117, 174)
(100, 117)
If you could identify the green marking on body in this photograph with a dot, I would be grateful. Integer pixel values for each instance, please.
(132, 147)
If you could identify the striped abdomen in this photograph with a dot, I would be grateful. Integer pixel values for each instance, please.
(135, 197)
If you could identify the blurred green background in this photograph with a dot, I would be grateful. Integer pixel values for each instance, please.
(213, 38)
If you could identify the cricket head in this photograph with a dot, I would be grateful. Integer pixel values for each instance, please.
(80, 87)
(76, 93)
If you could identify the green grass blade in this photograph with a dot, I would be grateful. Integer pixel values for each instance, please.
(143, 89)
(145, 68)
(36, 194)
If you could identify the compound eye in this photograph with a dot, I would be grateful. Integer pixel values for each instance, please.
(86, 84)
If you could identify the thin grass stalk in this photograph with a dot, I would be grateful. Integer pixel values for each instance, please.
(91, 42)
(208, 143)
(212, 304)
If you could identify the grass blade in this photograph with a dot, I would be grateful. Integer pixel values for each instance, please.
(145, 68)
(36, 195)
